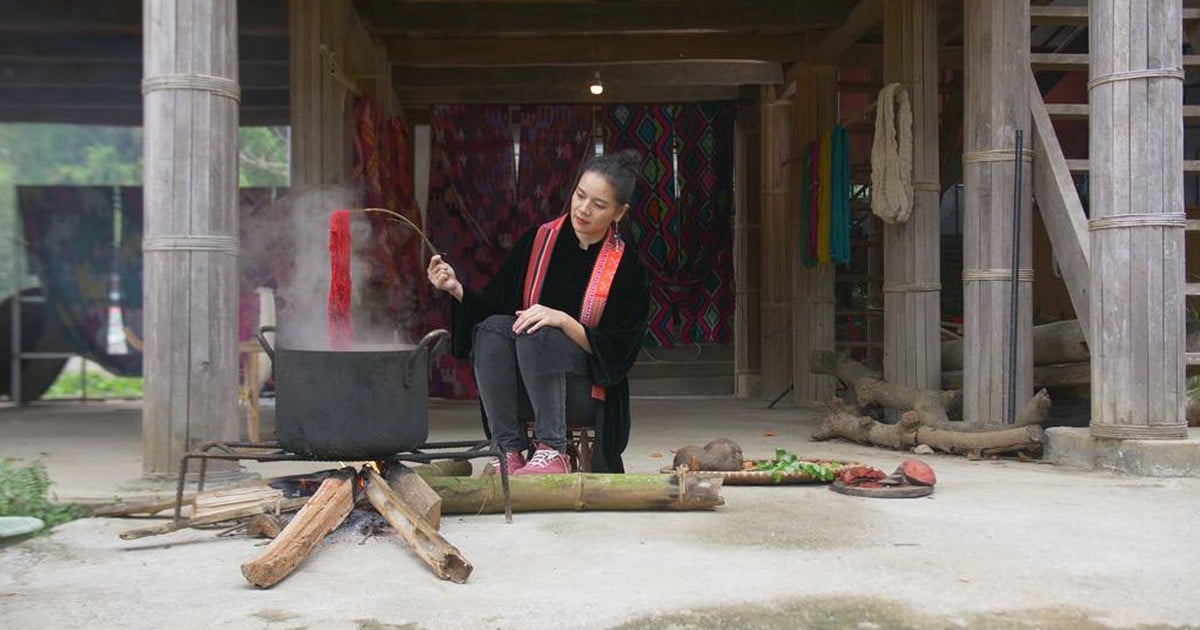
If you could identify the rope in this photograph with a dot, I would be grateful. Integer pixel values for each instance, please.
(892, 156)
(218, 86)
(190, 243)
(1152, 219)
(1133, 75)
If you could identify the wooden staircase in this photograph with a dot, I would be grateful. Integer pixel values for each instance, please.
(1055, 176)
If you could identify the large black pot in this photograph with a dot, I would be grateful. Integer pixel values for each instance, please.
(352, 405)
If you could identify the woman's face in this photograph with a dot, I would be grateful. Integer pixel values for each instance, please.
(594, 208)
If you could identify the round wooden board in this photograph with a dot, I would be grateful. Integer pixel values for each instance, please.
(886, 492)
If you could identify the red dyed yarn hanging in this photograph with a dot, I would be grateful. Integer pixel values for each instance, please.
(341, 329)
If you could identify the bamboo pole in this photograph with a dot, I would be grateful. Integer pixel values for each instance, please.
(996, 104)
(1137, 220)
(911, 250)
(191, 240)
(579, 491)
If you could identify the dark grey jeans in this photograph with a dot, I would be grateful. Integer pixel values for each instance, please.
(543, 376)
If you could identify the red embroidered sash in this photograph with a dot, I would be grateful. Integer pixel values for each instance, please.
(599, 284)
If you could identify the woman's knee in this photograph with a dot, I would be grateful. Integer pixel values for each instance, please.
(550, 350)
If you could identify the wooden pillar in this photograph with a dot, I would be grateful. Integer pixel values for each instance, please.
(190, 244)
(815, 112)
(911, 270)
(332, 57)
(1137, 264)
(747, 331)
(777, 244)
(996, 105)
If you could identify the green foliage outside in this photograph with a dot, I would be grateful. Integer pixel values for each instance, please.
(25, 491)
(70, 384)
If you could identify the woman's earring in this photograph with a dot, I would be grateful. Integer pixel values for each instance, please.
(617, 230)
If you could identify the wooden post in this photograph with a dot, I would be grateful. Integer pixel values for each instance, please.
(332, 57)
(747, 340)
(777, 246)
(996, 105)
(912, 273)
(191, 99)
(814, 113)
(1137, 264)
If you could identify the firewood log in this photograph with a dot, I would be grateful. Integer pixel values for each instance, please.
(322, 514)
(909, 432)
(445, 559)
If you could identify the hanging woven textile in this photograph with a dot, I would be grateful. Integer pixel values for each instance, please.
(892, 156)
(839, 192)
(823, 204)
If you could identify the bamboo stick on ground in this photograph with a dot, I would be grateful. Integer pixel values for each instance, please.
(322, 514)
(579, 491)
(283, 505)
(445, 559)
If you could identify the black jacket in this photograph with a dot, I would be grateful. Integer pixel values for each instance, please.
(615, 341)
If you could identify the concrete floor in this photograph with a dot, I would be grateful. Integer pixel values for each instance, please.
(1000, 544)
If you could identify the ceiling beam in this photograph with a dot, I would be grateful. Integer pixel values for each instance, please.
(666, 73)
(103, 48)
(255, 17)
(576, 93)
(871, 56)
(588, 50)
(389, 17)
(34, 74)
(866, 17)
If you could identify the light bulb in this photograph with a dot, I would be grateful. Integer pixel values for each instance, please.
(596, 87)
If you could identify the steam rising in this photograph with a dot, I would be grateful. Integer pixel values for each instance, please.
(303, 324)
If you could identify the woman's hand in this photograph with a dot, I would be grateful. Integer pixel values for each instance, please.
(537, 317)
(443, 278)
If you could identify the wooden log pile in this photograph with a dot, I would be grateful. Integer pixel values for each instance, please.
(412, 502)
(930, 418)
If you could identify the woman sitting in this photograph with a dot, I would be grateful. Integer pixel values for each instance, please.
(554, 333)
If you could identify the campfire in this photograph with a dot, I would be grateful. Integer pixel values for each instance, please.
(299, 512)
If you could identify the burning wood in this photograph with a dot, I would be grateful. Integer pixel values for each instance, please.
(320, 515)
(445, 559)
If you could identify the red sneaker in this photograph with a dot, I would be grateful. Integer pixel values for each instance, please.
(512, 459)
(545, 461)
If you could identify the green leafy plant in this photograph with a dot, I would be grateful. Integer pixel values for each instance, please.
(99, 385)
(787, 463)
(25, 491)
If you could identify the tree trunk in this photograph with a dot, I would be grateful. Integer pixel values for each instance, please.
(870, 390)
(1056, 342)
(909, 432)
(445, 559)
(322, 514)
(579, 491)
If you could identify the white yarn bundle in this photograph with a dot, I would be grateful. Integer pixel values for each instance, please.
(892, 156)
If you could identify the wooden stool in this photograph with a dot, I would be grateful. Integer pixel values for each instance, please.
(581, 443)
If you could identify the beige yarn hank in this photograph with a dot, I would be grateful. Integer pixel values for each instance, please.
(892, 156)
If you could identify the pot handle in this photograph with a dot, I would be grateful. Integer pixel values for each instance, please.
(262, 341)
(428, 344)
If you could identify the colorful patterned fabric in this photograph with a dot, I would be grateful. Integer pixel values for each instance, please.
(555, 140)
(824, 221)
(69, 240)
(683, 235)
(471, 212)
(840, 197)
(396, 255)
